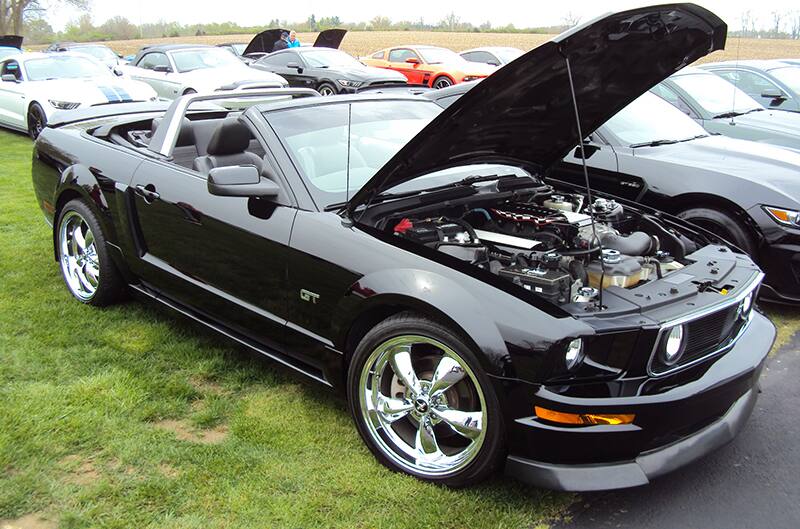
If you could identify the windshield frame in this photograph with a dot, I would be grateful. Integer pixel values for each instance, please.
(795, 89)
(740, 95)
(102, 69)
(212, 50)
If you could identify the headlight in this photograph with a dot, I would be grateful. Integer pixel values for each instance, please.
(469, 78)
(745, 305)
(347, 82)
(787, 217)
(574, 354)
(63, 105)
(674, 344)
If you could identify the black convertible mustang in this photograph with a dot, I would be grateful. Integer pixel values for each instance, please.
(475, 317)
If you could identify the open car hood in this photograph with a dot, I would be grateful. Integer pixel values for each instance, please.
(265, 41)
(13, 41)
(523, 113)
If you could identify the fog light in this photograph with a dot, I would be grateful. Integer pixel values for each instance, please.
(674, 345)
(583, 419)
(574, 354)
(746, 305)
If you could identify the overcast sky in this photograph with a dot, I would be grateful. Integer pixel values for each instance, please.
(520, 13)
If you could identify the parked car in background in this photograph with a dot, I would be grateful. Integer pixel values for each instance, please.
(746, 192)
(237, 48)
(264, 43)
(492, 55)
(326, 70)
(174, 70)
(428, 65)
(100, 52)
(35, 86)
(722, 108)
(775, 83)
(414, 258)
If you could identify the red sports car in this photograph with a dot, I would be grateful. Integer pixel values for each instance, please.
(429, 65)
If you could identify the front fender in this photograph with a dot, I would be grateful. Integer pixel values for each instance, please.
(495, 322)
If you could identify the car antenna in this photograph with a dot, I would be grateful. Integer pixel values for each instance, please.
(736, 78)
(347, 220)
(586, 181)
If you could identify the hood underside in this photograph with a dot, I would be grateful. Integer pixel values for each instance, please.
(264, 42)
(523, 113)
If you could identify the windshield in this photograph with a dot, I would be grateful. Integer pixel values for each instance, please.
(506, 55)
(651, 119)
(439, 55)
(6, 52)
(197, 59)
(98, 52)
(64, 67)
(715, 94)
(789, 76)
(317, 140)
(239, 48)
(330, 59)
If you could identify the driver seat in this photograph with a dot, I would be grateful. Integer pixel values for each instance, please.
(228, 147)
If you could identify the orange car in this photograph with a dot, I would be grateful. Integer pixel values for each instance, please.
(428, 65)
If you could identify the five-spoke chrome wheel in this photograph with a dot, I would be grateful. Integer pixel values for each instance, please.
(78, 254)
(422, 405)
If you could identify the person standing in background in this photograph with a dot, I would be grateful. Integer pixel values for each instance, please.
(293, 41)
(282, 43)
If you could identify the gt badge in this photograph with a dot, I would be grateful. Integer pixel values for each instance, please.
(307, 295)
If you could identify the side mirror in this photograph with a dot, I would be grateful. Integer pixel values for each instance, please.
(117, 71)
(773, 93)
(293, 65)
(493, 63)
(240, 181)
(588, 148)
(412, 60)
(9, 78)
(162, 68)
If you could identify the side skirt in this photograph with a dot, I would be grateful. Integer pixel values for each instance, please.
(280, 358)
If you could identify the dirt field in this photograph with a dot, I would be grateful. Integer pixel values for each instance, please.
(365, 42)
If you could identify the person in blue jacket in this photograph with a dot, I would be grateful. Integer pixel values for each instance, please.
(293, 41)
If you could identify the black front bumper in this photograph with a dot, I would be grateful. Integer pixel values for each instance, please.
(672, 428)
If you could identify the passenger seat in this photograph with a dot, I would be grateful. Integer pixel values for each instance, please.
(228, 147)
(185, 147)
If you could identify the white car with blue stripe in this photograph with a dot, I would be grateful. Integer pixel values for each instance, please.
(35, 86)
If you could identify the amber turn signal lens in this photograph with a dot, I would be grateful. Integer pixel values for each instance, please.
(583, 419)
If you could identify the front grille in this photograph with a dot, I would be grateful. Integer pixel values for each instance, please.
(705, 336)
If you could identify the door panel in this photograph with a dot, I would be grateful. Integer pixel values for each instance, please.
(221, 255)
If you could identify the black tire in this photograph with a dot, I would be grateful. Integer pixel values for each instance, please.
(441, 82)
(486, 457)
(723, 224)
(326, 89)
(110, 286)
(37, 120)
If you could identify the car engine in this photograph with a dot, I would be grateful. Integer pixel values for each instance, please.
(551, 246)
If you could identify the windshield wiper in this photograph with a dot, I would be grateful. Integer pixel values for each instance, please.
(734, 114)
(654, 143)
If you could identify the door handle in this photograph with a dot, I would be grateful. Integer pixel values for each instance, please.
(148, 193)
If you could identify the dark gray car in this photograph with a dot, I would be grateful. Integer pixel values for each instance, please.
(722, 108)
(775, 84)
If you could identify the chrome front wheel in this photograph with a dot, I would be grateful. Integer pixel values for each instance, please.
(422, 406)
(78, 253)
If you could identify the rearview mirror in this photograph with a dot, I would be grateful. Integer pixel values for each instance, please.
(773, 93)
(412, 60)
(493, 63)
(162, 68)
(9, 78)
(240, 181)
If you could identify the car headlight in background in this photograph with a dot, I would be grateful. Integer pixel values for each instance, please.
(351, 84)
(787, 217)
(745, 305)
(673, 345)
(574, 354)
(469, 78)
(63, 105)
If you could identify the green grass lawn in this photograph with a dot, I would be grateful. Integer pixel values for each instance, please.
(132, 417)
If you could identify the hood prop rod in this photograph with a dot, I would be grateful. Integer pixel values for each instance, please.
(586, 181)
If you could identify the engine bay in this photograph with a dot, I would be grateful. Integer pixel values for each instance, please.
(555, 245)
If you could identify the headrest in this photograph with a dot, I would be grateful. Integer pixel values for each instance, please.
(185, 135)
(230, 137)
